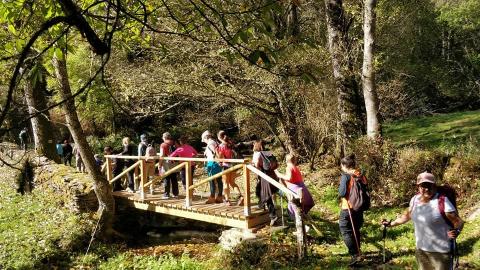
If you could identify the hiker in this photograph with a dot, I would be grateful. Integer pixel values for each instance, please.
(212, 168)
(150, 154)
(67, 152)
(59, 148)
(117, 167)
(264, 190)
(23, 136)
(433, 234)
(128, 150)
(186, 151)
(170, 182)
(293, 180)
(78, 159)
(226, 150)
(142, 146)
(350, 220)
(98, 160)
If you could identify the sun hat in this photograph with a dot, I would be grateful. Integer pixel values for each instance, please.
(425, 177)
(205, 135)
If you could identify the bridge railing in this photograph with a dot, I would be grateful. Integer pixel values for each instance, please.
(243, 165)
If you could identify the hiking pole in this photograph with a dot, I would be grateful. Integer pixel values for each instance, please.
(354, 231)
(281, 206)
(453, 247)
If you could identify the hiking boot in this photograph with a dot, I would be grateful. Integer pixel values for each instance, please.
(228, 203)
(165, 197)
(219, 199)
(355, 260)
(273, 220)
(210, 200)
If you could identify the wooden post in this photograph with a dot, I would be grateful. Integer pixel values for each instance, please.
(109, 169)
(301, 240)
(143, 178)
(136, 176)
(246, 197)
(188, 183)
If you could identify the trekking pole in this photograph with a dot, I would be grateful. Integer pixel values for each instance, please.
(281, 206)
(453, 247)
(384, 236)
(354, 231)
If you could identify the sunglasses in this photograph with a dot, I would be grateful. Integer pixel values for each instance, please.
(425, 185)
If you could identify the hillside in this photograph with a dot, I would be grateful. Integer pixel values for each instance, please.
(442, 130)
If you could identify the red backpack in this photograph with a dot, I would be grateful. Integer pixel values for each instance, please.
(449, 192)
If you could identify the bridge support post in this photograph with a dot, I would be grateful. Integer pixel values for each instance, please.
(246, 197)
(143, 178)
(109, 169)
(301, 239)
(188, 183)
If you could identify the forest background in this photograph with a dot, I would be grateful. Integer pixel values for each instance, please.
(310, 74)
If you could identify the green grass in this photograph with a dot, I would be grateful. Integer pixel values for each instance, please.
(442, 130)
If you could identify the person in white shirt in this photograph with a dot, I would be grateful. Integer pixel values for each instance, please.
(212, 167)
(433, 235)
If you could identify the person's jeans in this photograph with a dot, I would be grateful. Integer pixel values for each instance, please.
(183, 176)
(212, 169)
(171, 182)
(130, 175)
(347, 232)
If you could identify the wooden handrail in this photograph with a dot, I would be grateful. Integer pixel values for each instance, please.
(272, 181)
(125, 172)
(210, 178)
(167, 173)
(179, 158)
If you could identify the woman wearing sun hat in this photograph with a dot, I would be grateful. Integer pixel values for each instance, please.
(432, 233)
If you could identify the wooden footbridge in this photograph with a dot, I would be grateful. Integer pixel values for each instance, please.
(191, 204)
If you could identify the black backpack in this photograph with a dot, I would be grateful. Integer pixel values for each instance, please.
(269, 163)
(359, 195)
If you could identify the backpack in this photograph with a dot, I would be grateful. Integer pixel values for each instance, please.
(269, 163)
(150, 151)
(445, 191)
(359, 195)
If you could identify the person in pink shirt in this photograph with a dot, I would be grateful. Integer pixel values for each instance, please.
(186, 151)
(293, 180)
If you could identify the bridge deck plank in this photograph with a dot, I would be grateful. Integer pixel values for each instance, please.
(216, 213)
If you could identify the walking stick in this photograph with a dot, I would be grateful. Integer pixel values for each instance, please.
(384, 235)
(354, 231)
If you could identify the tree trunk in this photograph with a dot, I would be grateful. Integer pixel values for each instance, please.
(349, 121)
(101, 186)
(368, 70)
(42, 129)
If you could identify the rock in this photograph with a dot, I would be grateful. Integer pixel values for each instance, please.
(474, 215)
(234, 237)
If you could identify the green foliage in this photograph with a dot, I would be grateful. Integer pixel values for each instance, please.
(37, 228)
(127, 261)
(443, 130)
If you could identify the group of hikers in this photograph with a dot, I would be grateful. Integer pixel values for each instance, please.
(432, 210)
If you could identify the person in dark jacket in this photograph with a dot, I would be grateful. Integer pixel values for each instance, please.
(350, 221)
(67, 152)
(117, 167)
(129, 150)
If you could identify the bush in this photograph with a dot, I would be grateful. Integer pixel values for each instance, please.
(392, 171)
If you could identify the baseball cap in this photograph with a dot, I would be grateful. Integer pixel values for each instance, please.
(425, 177)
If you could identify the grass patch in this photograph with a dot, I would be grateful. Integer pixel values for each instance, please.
(442, 130)
(36, 229)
